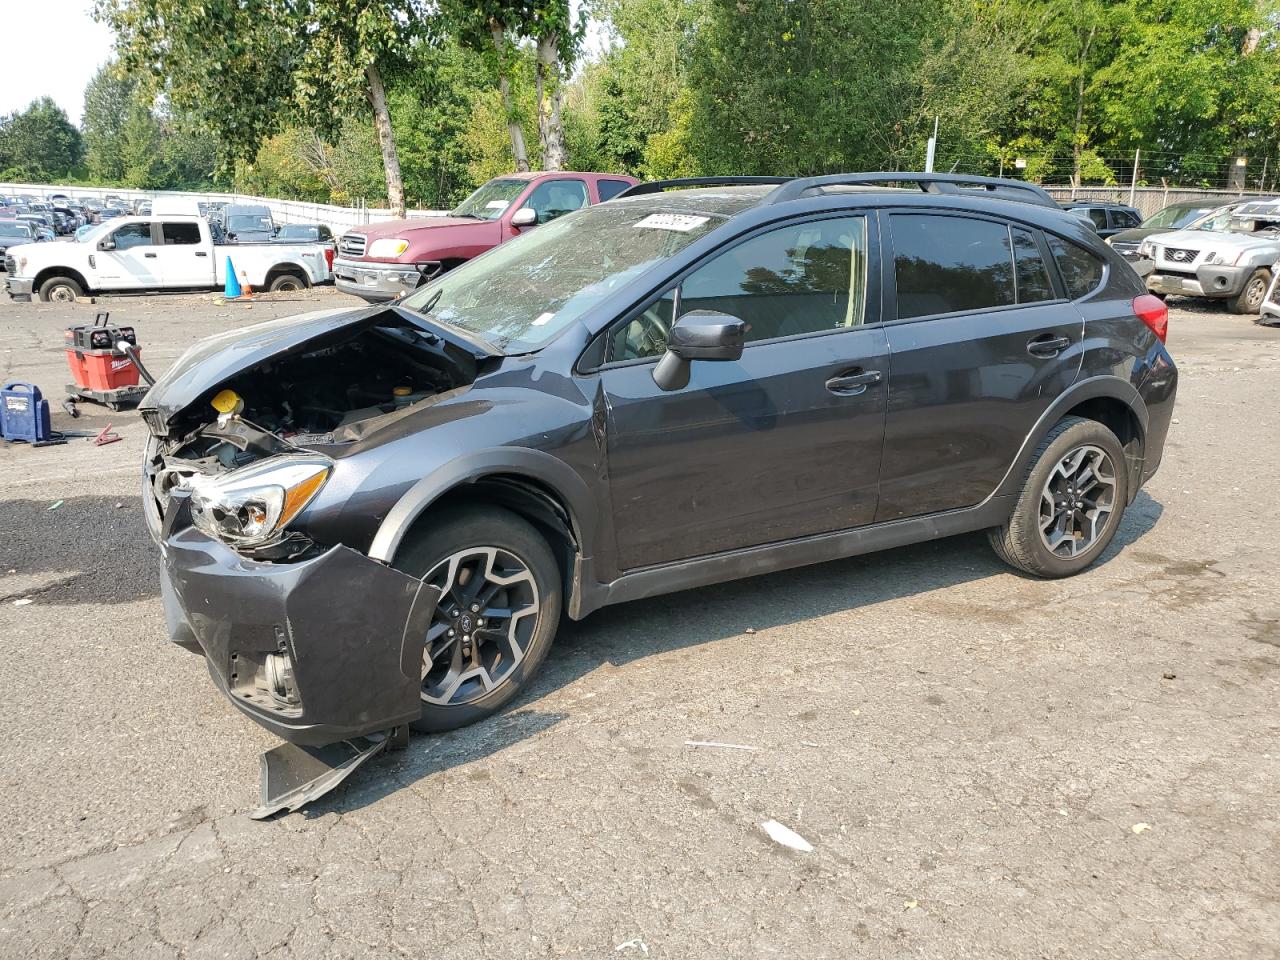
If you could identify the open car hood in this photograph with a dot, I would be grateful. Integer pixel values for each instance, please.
(217, 359)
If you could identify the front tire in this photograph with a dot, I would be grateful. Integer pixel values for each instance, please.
(498, 613)
(1071, 502)
(1249, 300)
(60, 290)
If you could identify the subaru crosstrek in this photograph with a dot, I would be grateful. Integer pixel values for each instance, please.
(377, 516)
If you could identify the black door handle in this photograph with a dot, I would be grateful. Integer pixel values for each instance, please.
(1048, 346)
(201, 253)
(149, 256)
(853, 382)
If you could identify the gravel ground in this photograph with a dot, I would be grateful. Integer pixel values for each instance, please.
(985, 765)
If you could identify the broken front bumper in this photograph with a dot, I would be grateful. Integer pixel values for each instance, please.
(316, 651)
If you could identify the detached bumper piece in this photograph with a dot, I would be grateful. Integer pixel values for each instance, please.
(293, 776)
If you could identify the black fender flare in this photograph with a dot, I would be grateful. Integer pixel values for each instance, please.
(508, 461)
(1091, 388)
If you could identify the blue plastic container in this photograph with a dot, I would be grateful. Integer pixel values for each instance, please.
(24, 413)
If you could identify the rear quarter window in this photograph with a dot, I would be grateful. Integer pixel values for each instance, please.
(608, 189)
(1081, 270)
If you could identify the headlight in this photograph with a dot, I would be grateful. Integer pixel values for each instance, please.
(1146, 249)
(1227, 259)
(388, 248)
(252, 507)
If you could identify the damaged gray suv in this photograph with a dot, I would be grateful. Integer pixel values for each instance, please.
(375, 517)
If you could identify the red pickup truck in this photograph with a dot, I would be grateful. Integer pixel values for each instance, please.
(384, 261)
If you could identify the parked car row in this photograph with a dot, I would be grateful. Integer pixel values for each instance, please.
(172, 251)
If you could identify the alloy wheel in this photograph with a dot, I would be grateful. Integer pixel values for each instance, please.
(62, 294)
(1254, 293)
(482, 626)
(1077, 501)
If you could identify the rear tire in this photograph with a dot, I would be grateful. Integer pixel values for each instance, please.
(1071, 503)
(1249, 299)
(287, 283)
(491, 559)
(60, 290)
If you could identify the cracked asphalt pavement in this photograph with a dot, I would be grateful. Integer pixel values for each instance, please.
(985, 765)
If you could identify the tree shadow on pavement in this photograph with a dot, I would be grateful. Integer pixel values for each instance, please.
(85, 550)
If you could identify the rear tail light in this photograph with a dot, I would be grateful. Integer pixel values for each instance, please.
(328, 256)
(1154, 312)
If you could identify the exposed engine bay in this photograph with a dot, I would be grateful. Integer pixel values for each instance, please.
(335, 389)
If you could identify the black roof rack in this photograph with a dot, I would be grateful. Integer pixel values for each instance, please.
(928, 182)
(657, 186)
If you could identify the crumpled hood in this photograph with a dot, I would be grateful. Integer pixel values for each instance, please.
(216, 359)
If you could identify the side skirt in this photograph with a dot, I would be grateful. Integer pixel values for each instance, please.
(770, 558)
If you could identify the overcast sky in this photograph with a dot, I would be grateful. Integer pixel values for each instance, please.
(42, 28)
(54, 47)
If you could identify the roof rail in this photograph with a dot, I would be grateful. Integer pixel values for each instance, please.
(657, 186)
(928, 182)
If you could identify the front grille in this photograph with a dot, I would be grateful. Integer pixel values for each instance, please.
(352, 244)
(1180, 255)
(10, 264)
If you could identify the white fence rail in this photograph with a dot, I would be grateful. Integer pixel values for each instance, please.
(282, 211)
(1147, 200)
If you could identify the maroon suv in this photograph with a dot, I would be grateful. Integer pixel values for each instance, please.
(386, 260)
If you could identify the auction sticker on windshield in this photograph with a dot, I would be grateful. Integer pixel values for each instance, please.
(682, 222)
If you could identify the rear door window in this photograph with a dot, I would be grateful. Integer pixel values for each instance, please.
(1081, 270)
(950, 264)
(608, 189)
(1099, 217)
(180, 233)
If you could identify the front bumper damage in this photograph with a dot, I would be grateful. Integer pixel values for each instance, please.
(325, 653)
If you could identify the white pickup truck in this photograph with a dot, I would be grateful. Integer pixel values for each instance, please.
(158, 252)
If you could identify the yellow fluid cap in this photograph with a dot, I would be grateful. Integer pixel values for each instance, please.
(226, 402)
(402, 391)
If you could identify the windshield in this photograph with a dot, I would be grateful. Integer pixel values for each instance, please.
(1176, 216)
(247, 223)
(489, 201)
(297, 233)
(524, 292)
(14, 231)
(1219, 219)
(95, 233)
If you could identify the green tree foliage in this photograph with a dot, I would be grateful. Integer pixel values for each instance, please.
(39, 144)
(248, 69)
(133, 141)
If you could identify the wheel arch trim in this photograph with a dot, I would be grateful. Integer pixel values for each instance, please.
(1091, 388)
(535, 465)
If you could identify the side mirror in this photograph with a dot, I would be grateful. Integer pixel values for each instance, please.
(525, 217)
(698, 335)
(106, 244)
